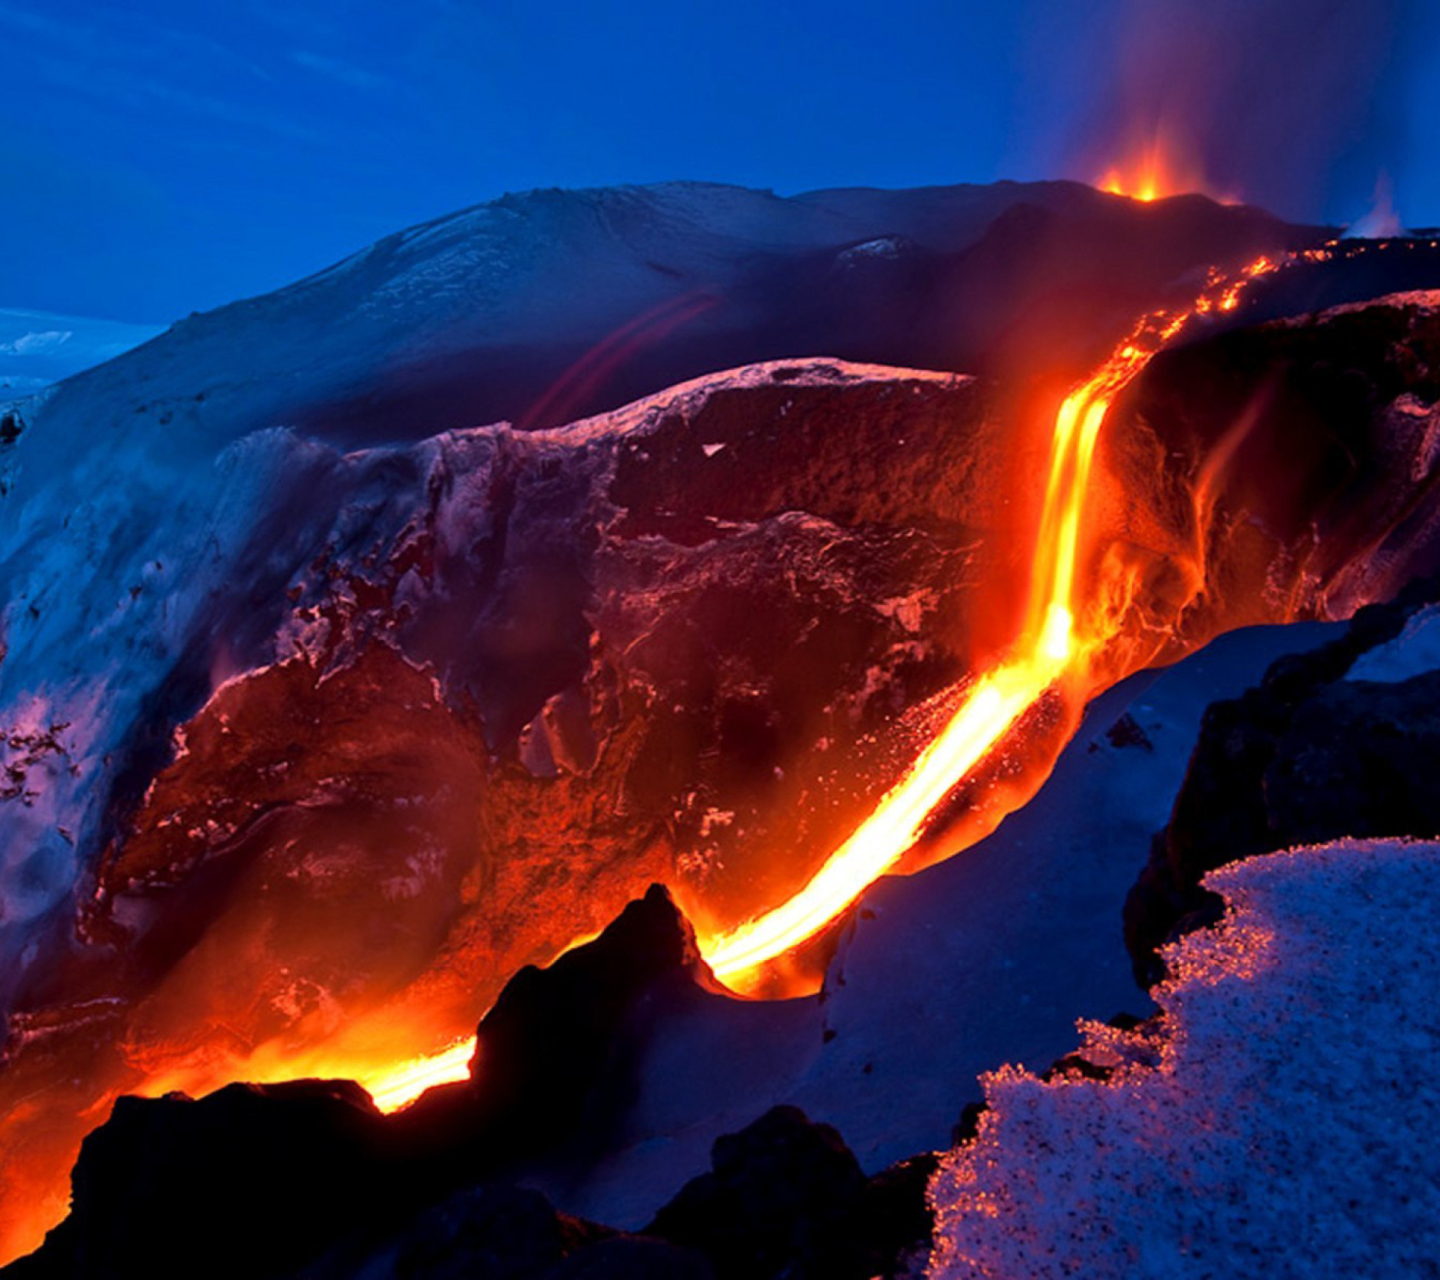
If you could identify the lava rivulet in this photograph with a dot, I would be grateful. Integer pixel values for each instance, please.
(1059, 634)
(1068, 642)
(396, 1087)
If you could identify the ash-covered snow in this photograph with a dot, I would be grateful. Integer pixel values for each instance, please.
(114, 583)
(1277, 1120)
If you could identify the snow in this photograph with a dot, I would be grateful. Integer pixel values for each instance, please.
(105, 578)
(1265, 1124)
(1413, 652)
(38, 348)
(884, 247)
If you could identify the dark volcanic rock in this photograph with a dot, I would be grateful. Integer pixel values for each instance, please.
(504, 1233)
(1306, 757)
(633, 1258)
(1306, 445)
(271, 1176)
(487, 1232)
(553, 1061)
(250, 1182)
(899, 1220)
(786, 1198)
(309, 1179)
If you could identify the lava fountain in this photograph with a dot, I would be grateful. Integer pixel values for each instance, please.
(1151, 171)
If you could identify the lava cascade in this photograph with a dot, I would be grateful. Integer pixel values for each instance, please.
(1070, 643)
(1059, 650)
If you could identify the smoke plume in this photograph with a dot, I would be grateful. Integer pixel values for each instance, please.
(1295, 105)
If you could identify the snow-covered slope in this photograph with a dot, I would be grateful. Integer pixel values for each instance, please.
(279, 651)
(495, 682)
(1275, 1120)
(550, 305)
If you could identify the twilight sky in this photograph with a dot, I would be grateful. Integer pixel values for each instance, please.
(160, 156)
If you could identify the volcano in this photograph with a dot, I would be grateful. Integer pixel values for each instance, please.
(556, 617)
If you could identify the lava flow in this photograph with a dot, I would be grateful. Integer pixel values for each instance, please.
(1070, 641)
(396, 1087)
(1061, 634)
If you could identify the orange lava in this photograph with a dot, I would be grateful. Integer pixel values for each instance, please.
(1059, 634)
(396, 1087)
(1067, 623)
(1051, 647)
(390, 1083)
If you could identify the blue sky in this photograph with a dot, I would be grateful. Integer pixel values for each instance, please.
(159, 158)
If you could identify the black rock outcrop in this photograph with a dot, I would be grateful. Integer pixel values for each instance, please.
(309, 1179)
(259, 1180)
(786, 1198)
(1307, 756)
(552, 1068)
(247, 1183)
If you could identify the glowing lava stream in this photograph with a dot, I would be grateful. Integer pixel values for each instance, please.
(995, 702)
(993, 705)
(1046, 650)
(396, 1086)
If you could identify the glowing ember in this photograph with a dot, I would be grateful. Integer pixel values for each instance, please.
(1048, 648)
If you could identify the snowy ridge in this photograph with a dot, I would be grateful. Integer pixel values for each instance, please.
(1264, 1124)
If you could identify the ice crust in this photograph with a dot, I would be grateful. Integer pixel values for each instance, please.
(1265, 1125)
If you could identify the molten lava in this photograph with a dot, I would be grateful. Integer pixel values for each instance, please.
(1059, 635)
(396, 1087)
(1070, 616)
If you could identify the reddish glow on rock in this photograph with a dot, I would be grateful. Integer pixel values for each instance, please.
(1074, 607)
(1060, 633)
(368, 1058)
